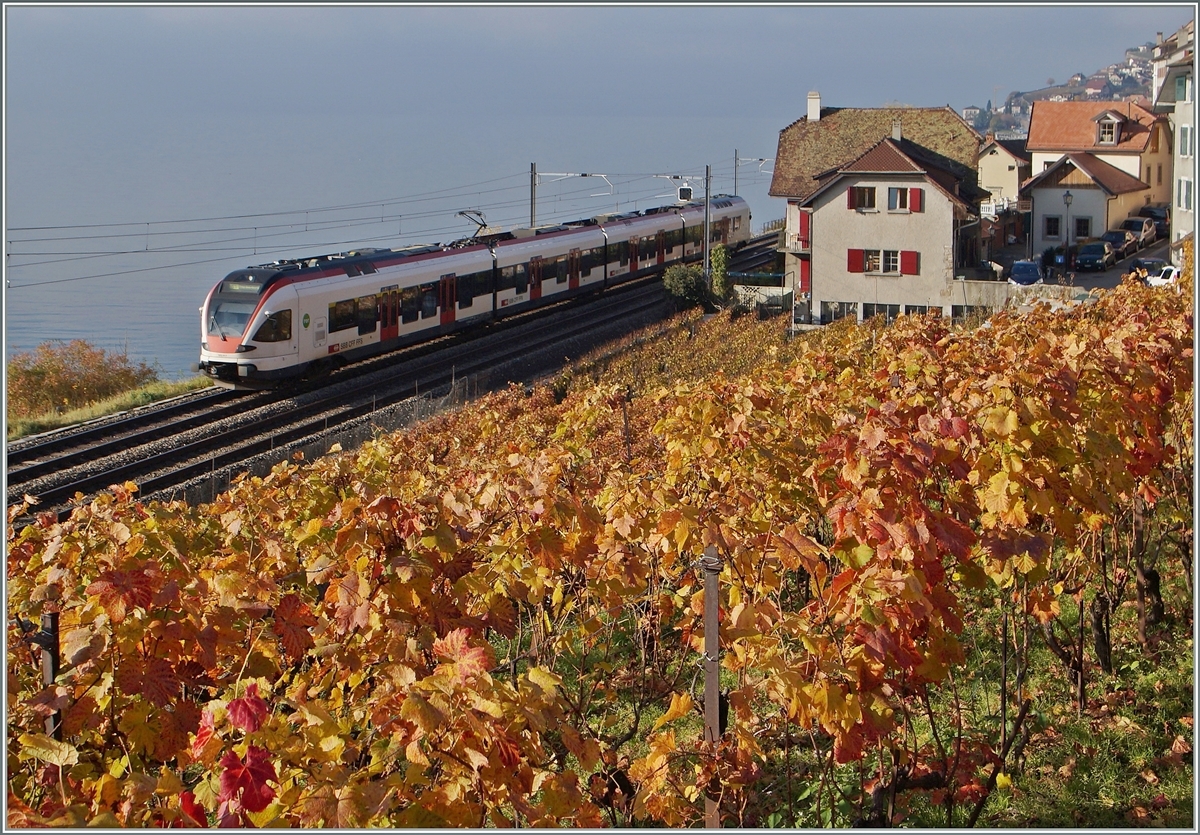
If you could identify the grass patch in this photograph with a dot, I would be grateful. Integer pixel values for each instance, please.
(150, 393)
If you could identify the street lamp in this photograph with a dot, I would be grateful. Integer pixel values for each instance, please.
(1067, 198)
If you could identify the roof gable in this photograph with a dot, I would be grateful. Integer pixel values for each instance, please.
(1108, 177)
(809, 150)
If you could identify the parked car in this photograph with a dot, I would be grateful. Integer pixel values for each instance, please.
(1160, 213)
(1097, 255)
(1143, 228)
(1150, 265)
(1124, 242)
(1165, 277)
(1027, 273)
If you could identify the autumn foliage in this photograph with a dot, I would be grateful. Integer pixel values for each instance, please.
(495, 619)
(60, 376)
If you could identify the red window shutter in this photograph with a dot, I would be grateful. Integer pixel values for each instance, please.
(910, 263)
(850, 198)
(916, 202)
(805, 225)
(856, 262)
(805, 276)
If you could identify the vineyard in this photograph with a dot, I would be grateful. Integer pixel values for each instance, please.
(954, 562)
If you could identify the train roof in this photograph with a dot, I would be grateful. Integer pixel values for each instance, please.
(368, 259)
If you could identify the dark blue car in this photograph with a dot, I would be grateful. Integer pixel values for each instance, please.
(1027, 273)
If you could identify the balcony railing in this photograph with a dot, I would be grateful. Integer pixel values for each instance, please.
(796, 243)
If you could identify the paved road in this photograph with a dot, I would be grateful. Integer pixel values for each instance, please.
(1112, 277)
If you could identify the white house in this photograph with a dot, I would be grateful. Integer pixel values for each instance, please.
(882, 213)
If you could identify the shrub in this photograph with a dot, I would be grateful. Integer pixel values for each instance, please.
(58, 376)
(685, 284)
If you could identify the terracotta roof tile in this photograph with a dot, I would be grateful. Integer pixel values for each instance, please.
(1068, 126)
(807, 150)
(883, 157)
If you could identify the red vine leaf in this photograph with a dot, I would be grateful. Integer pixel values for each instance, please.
(293, 618)
(249, 777)
(120, 591)
(187, 802)
(250, 711)
(159, 683)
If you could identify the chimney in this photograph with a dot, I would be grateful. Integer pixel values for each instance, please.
(896, 129)
(814, 107)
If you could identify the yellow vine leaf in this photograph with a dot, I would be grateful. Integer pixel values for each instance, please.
(49, 750)
(681, 705)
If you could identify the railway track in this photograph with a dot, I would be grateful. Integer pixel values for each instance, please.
(186, 442)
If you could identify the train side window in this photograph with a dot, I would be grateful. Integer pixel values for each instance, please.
(561, 268)
(521, 278)
(622, 253)
(410, 304)
(472, 285)
(342, 315)
(277, 328)
(591, 259)
(367, 314)
(429, 300)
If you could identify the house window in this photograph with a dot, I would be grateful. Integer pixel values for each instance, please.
(1185, 140)
(832, 311)
(1158, 175)
(1052, 226)
(1154, 141)
(961, 312)
(897, 199)
(1183, 88)
(1108, 133)
(1083, 228)
(921, 310)
(883, 262)
(889, 311)
(861, 197)
(1184, 198)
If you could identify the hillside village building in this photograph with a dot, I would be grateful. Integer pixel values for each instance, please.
(1113, 158)
(883, 213)
(1174, 97)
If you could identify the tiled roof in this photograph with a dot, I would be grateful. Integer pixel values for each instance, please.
(1016, 147)
(883, 157)
(1068, 126)
(1110, 178)
(890, 156)
(842, 135)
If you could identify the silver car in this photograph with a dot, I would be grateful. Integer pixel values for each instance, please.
(1143, 228)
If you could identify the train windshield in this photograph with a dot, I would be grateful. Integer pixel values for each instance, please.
(229, 318)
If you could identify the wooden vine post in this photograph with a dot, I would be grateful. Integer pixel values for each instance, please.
(711, 563)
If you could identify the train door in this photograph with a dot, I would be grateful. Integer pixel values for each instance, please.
(633, 255)
(661, 240)
(573, 269)
(447, 297)
(389, 313)
(535, 278)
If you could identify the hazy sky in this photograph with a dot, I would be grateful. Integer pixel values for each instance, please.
(149, 114)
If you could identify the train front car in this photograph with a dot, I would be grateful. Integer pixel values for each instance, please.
(247, 329)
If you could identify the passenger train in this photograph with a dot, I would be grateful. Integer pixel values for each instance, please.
(302, 317)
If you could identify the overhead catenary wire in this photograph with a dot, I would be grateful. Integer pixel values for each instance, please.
(568, 204)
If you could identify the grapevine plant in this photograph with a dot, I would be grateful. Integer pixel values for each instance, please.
(495, 618)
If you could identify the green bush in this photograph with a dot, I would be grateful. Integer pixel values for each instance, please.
(685, 284)
(59, 376)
